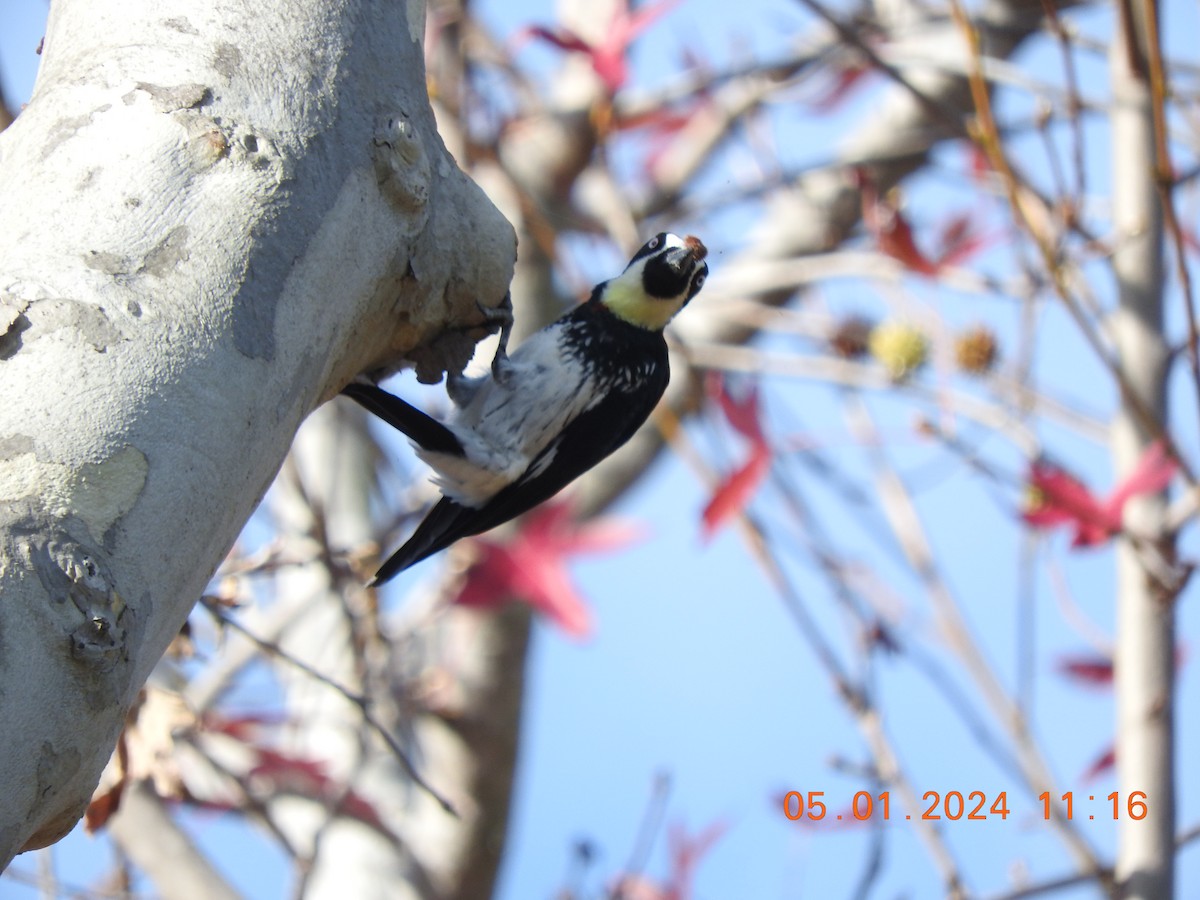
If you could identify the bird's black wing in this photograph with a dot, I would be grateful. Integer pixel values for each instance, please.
(441, 527)
(428, 432)
(589, 438)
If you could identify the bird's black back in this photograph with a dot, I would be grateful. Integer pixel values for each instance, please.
(631, 372)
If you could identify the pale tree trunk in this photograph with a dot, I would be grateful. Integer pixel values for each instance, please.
(449, 691)
(213, 216)
(155, 843)
(1145, 619)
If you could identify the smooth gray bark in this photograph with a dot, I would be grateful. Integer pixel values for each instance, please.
(213, 216)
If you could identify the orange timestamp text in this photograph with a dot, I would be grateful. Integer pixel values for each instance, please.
(972, 806)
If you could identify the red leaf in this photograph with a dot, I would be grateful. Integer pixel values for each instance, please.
(978, 163)
(102, 807)
(1059, 498)
(244, 727)
(562, 38)
(743, 411)
(1091, 670)
(304, 777)
(1098, 670)
(893, 235)
(845, 80)
(1102, 764)
(299, 775)
(686, 853)
(609, 56)
(1152, 473)
(734, 493)
(354, 806)
(635, 887)
(959, 240)
(1190, 240)
(1056, 496)
(532, 565)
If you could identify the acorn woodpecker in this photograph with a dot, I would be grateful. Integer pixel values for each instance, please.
(568, 396)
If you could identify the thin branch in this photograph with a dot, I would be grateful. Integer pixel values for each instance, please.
(908, 528)
(987, 135)
(652, 819)
(1164, 179)
(949, 116)
(857, 700)
(361, 702)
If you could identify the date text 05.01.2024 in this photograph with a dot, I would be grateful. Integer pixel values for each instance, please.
(974, 806)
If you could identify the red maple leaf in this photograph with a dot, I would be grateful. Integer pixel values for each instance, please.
(609, 57)
(242, 727)
(1095, 671)
(958, 240)
(735, 490)
(732, 495)
(979, 166)
(532, 565)
(1056, 497)
(741, 406)
(278, 772)
(846, 78)
(686, 853)
(1100, 765)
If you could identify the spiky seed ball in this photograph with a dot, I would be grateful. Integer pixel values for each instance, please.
(976, 350)
(899, 347)
(851, 337)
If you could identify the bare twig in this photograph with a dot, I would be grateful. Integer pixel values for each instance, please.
(911, 533)
(358, 700)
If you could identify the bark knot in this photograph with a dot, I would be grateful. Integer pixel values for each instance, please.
(69, 571)
(401, 166)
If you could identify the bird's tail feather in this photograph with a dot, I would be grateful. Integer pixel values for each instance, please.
(439, 529)
(428, 432)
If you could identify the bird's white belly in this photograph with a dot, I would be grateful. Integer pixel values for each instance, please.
(505, 426)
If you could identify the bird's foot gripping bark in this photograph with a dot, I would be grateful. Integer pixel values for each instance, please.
(462, 388)
(502, 314)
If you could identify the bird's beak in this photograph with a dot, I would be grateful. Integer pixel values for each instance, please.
(684, 259)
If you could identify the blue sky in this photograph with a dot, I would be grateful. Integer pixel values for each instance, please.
(697, 670)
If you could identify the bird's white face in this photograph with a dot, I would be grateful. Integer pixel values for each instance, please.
(658, 282)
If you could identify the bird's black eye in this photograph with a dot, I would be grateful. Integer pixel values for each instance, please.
(653, 243)
(698, 282)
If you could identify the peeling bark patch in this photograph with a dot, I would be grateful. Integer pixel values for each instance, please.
(180, 24)
(108, 263)
(173, 98)
(83, 322)
(10, 341)
(414, 11)
(15, 445)
(13, 322)
(97, 493)
(159, 261)
(450, 352)
(227, 59)
(170, 251)
(67, 128)
(55, 768)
